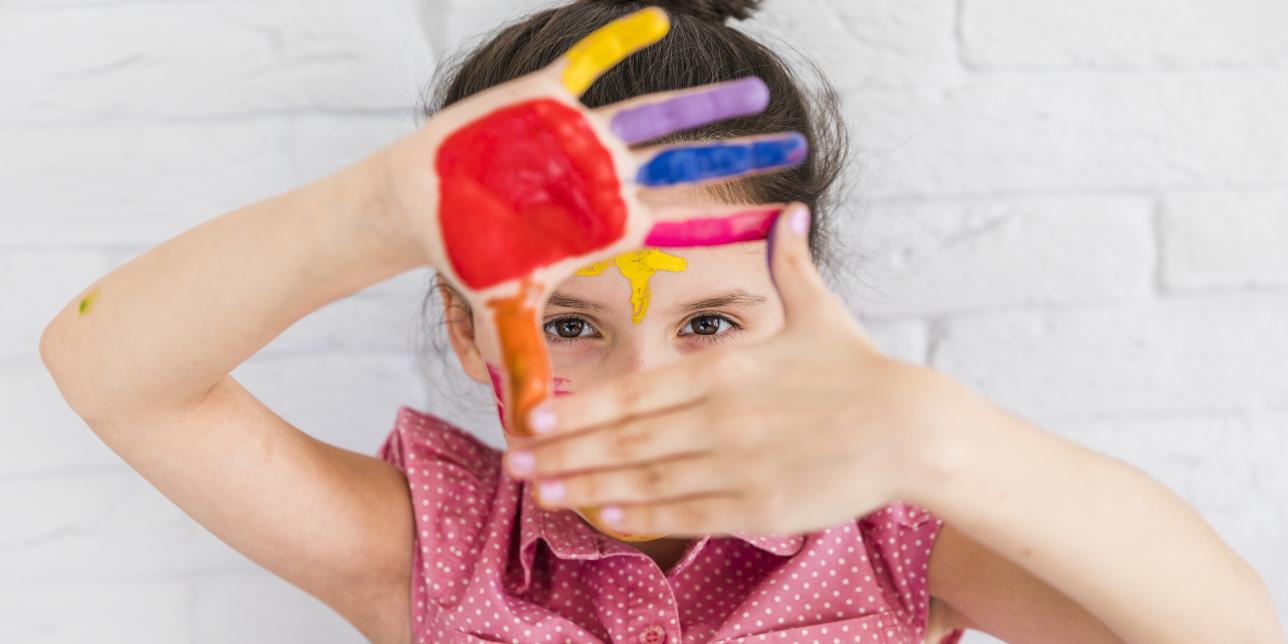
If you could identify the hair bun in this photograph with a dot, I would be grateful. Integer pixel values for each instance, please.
(717, 11)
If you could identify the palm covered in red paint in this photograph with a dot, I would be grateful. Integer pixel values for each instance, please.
(511, 190)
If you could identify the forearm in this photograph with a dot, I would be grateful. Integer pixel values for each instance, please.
(159, 331)
(1105, 534)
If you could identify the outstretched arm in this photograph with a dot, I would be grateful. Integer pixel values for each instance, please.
(505, 193)
(143, 355)
(1098, 531)
(814, 427)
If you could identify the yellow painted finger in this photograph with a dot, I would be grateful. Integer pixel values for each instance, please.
(608, 45)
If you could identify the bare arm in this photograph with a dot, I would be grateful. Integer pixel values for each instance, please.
(143, 355)
(993, 595)
(1080, 545)
(1071, 529)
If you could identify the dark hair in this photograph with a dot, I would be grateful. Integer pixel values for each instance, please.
(701, 48)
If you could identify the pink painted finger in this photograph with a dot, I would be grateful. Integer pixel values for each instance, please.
(723, 101)
(656, 481)
(674, 385)
(657, 437)
(746, 225)
(691, 516)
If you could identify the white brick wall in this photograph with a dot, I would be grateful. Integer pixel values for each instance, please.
(1079, 209)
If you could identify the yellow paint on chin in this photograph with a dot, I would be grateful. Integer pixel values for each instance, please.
(637, 266)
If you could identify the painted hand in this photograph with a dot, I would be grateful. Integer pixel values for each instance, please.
(528, 185)
(800, 432)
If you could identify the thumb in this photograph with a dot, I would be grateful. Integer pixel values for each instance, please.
(790, 266)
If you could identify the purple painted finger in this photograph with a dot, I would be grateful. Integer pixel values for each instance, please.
(736, 98)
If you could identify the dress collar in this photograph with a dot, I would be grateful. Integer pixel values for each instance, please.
(569, 537)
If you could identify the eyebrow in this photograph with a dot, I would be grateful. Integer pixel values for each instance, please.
(736, 296)
(569, 302)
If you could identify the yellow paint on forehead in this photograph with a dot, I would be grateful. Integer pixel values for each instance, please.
(637, 266)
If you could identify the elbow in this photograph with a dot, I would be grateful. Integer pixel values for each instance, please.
(1269, 631)
(51, 351)
(56, 356)
(1262, 620)
(52, 354)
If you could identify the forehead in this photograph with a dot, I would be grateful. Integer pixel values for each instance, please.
(707, 270)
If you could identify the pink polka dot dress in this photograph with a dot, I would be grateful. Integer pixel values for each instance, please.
(491, 565)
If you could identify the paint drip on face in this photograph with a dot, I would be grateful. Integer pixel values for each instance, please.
(637, 266)
(523, 353)
(494, 374)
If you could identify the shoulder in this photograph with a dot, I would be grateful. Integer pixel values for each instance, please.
(455, 482)
(420, 442)
(901, 535)
(900, 538)
(898, 516)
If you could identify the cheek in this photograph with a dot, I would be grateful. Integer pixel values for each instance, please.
(492, 358)
(771, 324)
(562, 386)
(573, 367)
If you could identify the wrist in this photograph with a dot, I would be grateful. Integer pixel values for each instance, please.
(945, 439)
(346, 215)
(382, 215)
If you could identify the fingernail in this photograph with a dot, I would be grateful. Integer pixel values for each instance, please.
(611, 514)
(799, 220)
(541, 419)
(551, 490)
(521, 462)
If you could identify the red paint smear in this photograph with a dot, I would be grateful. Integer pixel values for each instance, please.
(523, 187)
(495, 374)
(748, 225)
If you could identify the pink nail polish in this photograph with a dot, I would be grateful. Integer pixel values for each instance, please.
(611, 514)
(800, 220)
(541, 420)
(521, 462)
(551, 490)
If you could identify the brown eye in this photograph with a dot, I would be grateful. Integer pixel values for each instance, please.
(707, 325)
(567, 328)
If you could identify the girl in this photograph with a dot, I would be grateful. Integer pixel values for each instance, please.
(807, 507)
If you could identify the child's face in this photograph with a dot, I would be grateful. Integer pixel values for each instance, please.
(599, 327)
(697, 298)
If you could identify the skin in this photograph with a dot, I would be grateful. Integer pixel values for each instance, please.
(612, 343)
(151, 379)
(528, 185)
(712, 445)
(122, 351)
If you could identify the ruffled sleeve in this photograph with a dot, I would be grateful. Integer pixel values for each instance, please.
(900, 537)
(452, 477)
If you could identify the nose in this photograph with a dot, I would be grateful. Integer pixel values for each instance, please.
(639, 355)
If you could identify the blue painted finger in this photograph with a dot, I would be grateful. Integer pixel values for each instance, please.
(693, 163)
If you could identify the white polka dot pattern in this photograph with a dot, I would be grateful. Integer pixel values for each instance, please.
(491, 565)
